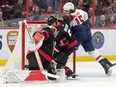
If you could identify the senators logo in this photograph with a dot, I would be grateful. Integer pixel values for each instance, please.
(98, 40)
(12, 37)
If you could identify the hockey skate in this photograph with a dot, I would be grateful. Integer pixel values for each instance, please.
(72, 76)
(106, 65)
(51, 70)
(69, 73)
(109, 63)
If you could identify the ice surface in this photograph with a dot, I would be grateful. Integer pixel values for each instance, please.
(91, 74)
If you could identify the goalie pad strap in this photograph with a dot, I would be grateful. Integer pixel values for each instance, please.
(46, 56)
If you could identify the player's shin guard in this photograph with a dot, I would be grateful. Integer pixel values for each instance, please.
(33, 65)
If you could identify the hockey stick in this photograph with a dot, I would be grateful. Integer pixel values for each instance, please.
(38, 58)
(41, 67)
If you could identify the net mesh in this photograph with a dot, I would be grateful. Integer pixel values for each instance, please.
(17, 59)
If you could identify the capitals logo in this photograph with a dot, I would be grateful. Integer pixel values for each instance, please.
(98, 40)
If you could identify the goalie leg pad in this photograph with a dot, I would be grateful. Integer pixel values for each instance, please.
(23, 75)
(35, 75)
(33, 65)
(12, 78)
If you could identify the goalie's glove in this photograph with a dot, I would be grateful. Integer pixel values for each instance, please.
(31, 45)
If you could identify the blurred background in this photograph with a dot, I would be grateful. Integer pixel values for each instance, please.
(102, 13)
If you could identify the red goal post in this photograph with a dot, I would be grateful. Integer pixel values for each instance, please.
(31, 26)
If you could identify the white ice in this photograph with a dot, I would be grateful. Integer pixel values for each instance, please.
(91, 74)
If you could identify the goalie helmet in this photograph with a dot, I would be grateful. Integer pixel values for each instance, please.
(68, 6)
(51, 20)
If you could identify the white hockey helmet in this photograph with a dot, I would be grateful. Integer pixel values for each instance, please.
(68, 6)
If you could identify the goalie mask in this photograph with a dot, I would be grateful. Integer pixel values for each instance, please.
(51, 20)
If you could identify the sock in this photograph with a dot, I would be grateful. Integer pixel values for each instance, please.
(95, 54)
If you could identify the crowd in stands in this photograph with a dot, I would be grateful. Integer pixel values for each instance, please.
(104, 10)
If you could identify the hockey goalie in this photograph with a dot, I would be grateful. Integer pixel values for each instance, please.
(39, 58)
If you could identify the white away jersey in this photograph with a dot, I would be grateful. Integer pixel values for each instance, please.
(79, 16)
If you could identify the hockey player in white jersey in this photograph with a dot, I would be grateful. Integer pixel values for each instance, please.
(78, 20)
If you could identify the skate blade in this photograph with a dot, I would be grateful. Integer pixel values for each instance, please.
(71, 78)
(114, 64)
(109, 72)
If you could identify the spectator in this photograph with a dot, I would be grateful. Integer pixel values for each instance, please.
(112, 22)
(1, 2)
(75, 2)
(114, 6)
(90, 11)
(19, 10)
(54, 5)
(37, 13)
(102, 2)
(0, 13)
(108, 3)
(37, 10)
(41, 4)
(32, 7)
(81, 5)
(98, 8)
(7, 10)
(11, 2)
(87, 4)
(102, 21)
(50, 10)
(91, 21)
(1, 20)
(110, 8)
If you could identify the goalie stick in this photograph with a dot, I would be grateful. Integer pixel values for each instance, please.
(38, 58)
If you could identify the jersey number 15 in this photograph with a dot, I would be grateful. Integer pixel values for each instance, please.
(79, 19)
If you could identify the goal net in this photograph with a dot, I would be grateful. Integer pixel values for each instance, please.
(17, 60)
